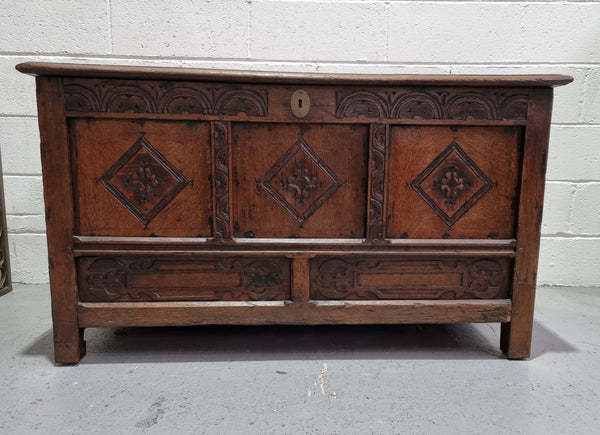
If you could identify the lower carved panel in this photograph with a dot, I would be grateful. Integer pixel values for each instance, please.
(385, 278)
(168, 279)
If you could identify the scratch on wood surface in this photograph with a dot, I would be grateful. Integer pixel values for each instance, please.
(320, 381)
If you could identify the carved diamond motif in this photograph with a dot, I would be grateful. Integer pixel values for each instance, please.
(143, 181)
(300, 182)
(452, 184)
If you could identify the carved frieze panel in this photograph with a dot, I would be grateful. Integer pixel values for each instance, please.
(300, 181)
(164, 279)
(452, 184)
(373, 278)
(431, 104)
(143, 181)
(168, 98)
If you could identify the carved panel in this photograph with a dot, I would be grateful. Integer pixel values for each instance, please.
(373, 278)
(143, 181)
(220, 135)
(300, 181)
(167, 279)
(170, 98)
(377, 181)
(451, 184)
(431, 104)
(297, 180)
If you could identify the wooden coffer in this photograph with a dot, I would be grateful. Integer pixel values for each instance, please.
(185, 197)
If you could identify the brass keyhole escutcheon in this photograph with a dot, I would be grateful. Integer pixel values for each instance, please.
(300, 103)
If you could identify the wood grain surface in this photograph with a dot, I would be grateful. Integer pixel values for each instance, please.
(194, 197)
(294, 181)
(453, 182)
(141, 180)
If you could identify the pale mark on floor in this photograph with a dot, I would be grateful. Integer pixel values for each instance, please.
(320, 381)
(156, 411)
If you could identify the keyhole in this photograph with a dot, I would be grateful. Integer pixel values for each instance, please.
(300, 103)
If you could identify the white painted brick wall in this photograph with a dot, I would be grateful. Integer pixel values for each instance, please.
(586, 207)
(569, 261)
(25, 195)
(28, 258)
(561, 32)
(16, 89)
(574, 153)
(449, 32)
(591, 105)
(318, 31)
(480, 37)
(20, 139)
(65, 27)
(161, 28)
(557, 207)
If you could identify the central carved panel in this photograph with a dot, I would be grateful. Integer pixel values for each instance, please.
(452, 184)
(300, 181)
(143, 181)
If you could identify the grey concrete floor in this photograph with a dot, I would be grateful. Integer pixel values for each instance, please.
(421, 379)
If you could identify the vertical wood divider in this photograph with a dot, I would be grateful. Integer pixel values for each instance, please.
(300, 279)
(515, 339)
(378, 139)
(69, 346)
(221, 185)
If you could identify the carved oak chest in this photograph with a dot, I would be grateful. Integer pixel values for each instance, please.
(186, 197)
